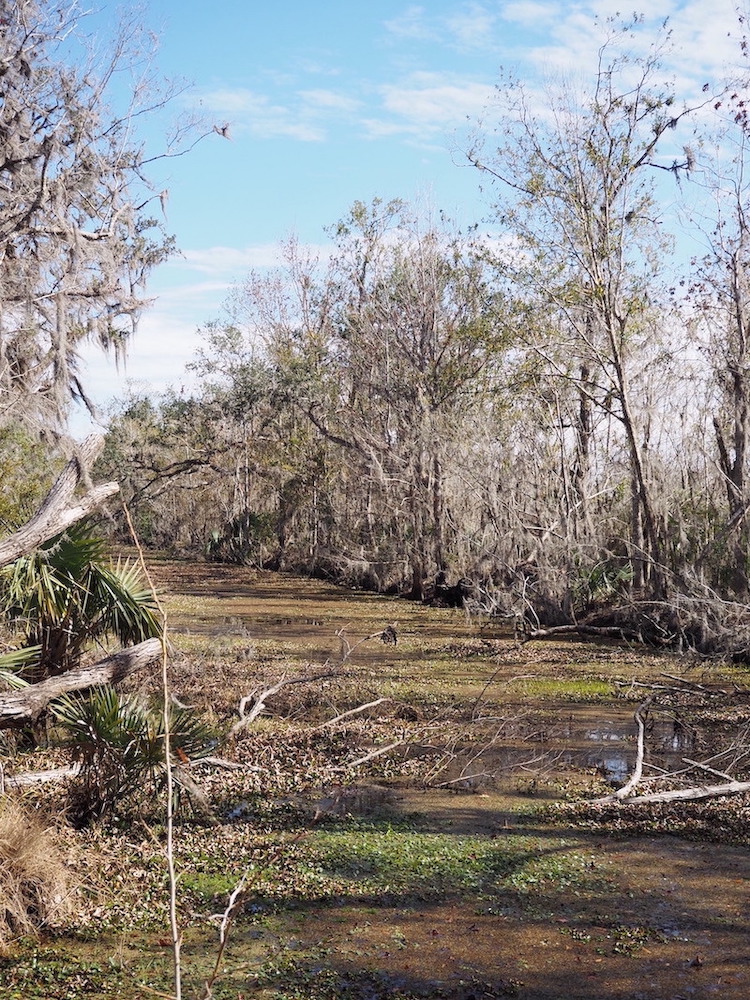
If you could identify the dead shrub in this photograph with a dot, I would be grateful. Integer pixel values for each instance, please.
(34, 883)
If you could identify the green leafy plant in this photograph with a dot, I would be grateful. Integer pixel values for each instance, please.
(14, 661)
(67, 594)
(119, 744)
(601, 582)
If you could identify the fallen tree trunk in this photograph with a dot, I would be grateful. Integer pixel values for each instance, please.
(596, 631)
(59, 510)
(679, 794)
(39, 777)
(20, 708)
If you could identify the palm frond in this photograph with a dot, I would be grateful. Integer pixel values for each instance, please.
(128, 608)
(14, 661)
(65, 595)
(119, 743)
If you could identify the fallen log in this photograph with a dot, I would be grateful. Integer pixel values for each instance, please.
(40, 777)
(59, 510)
(27, 778)
(679, 794)
(595, 631)
(20, 708)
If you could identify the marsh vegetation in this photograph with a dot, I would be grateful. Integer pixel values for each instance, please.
(400, 772)
(460, 861)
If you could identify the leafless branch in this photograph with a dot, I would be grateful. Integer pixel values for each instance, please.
(353, 711)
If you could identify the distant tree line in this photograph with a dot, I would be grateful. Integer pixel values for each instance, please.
(560, 413)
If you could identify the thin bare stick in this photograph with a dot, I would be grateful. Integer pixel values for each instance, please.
(236, 898)
(388, 634)
(465, 778)
(693, 685)
(635, 777)
(370, 756)
(352, 711)
(171, 870)
(711, 770)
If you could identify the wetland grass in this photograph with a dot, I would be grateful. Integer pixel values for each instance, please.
(439, 889)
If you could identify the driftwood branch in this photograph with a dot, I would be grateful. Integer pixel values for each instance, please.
(353, 711)
(640, 717)
(19, 708)
(257, 702)
(624, 795)
(370, 756)
(60, 773)
(40, 777)
(682, 794)
(596, 631)
(710, 770)
(58, 510)
(258, 706)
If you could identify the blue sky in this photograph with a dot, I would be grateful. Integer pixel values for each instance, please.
(336, 101)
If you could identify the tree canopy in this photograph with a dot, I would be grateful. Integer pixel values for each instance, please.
(78, 233)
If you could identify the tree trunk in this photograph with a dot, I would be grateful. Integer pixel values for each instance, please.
(21, 708)
(56, 513)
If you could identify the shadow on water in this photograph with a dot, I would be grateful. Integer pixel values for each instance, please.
(580, 738)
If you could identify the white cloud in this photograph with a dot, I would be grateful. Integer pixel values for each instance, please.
(247, 110)
(315, 68)
(411, 24)
(706, 38)
(531, 13)
(169, 332)
(377, 128)
(230, 260)
(430, 99)
(472, 27)
(158, 353)
(328, 99)
(702, 43)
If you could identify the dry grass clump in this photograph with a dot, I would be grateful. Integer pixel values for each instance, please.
(34, 884)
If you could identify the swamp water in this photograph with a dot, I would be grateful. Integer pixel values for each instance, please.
(453, 890)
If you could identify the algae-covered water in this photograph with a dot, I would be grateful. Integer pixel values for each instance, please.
(425, 870)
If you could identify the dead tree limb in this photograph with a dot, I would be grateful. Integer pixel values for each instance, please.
(682, 794)
(40, 777)
(20, 708)
(370, 756)
(597, 631)
(258, 701)
(353, 711)
(58, 510)
(640, 717)
(710, 770)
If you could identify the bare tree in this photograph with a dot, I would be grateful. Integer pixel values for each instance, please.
(77, 234)
(576, 177)
(718, 308)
